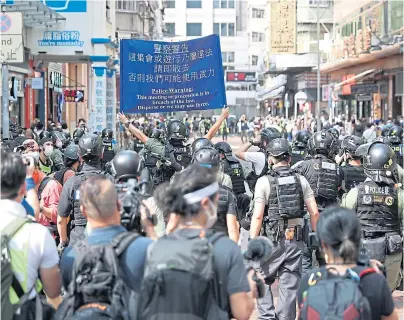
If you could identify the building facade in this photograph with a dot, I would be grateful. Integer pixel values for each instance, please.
(365, 62)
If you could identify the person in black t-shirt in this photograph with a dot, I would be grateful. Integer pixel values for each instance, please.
(339, 233)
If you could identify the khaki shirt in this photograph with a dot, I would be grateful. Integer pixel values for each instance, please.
(155, 146)
(263, 190)
(224, 180)
(350, 200)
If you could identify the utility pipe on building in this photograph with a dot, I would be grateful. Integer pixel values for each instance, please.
(5, 97)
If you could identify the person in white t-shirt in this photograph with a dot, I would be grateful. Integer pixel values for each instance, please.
(32, 249)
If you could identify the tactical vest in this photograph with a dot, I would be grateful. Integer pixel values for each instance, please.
(253, 177)
(182, 154)
(323, 178)
(286, 199)
(297, 155)
(397, 148)
(222, 208)
(235, 171)
(109, 152)
(353, 175)
(377, 208)
(137, 145)
(79, 178)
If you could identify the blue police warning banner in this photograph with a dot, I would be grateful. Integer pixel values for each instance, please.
(171, 76)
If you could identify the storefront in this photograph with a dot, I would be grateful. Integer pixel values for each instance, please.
(16, 97)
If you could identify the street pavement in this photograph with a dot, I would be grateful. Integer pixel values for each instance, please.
(235, 143)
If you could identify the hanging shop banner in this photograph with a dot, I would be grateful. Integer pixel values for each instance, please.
(74, 95)
(171, 76)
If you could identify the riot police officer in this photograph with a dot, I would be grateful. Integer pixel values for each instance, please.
(71, 164)
(279, 202)
(90, 150)
(231, 166)
(352, 172)
(109, 146)
(379, 203)
(200, 143)
(337, 143)
(299, 147)
(77, 134)
(321, 171)
(227, 206)
(395, 137)
(257, 159)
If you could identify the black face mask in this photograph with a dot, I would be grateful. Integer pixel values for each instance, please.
(80, 167)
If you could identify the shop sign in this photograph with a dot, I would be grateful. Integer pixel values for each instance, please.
(74, 95)
(236, 76)
(364, 88)
(346, 89)
(61, 39)
(37, 83)
(283, 29)
(12, 47)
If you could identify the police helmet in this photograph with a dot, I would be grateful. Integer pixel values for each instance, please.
(200, 143)
(302, 138)
(380, 163)
(395, 134)
(45, 134)
(267, 135)
(206, 157)
(351, 143)
(77, 134)
(107, 134)
(223, 147)
(90, 145)
(334, 132)
(322, 142)
(386, 130)
(156, 133)
(176, 130)
(279, 147)
(126, 164)
(71, 152)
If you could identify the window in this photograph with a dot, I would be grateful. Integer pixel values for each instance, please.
(257, 37)
(321, 3)
(254, 60)
(170, 4)
(194, 4)
(170, 28)
(227, 68)
(194, 29)
(224, 29)
(126, 5)
(223, 4)
(228, 57)
(258, 13)
(107, 10)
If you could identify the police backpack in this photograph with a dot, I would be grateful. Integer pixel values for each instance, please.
(180, 282)
(336, 297)
(97, 290)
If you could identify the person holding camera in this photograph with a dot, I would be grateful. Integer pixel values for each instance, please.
(284, 194)
(192, 257)
(359, 289)
(90, 150)
(379, 204)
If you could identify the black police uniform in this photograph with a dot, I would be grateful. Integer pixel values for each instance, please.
(398, 149)
(109, 152)
(227, 203)
(351, 176)
(322, 175)
(69, 204)
(234, 169)
(298, 154)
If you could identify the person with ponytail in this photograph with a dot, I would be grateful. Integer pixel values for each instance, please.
(339, 236)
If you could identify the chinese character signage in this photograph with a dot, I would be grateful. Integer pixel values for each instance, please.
(110, 100)
(74, 95)
(171, 76)
(61, 39)
(283, 29)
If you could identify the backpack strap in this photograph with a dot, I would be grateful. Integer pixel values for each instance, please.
(121, 242)
(42, 186)
(212, 238)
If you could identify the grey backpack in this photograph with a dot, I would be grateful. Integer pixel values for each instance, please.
(180, 282)
(8, 279)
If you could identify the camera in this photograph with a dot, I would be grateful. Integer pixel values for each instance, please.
(132, 193)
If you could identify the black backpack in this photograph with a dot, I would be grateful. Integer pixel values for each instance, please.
(42, 186)
(97, 290)
(339, 297)
(59, 175)
(179, 281)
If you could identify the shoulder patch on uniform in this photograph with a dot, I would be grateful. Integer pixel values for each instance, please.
(389, 201)
(329, 166)
(367, 199)
(286, 180)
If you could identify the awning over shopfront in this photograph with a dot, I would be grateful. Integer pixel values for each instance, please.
(274, 93)
(357, 77)
(34, 12)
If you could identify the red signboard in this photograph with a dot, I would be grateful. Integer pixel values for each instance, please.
(74, 95)
(346, 89)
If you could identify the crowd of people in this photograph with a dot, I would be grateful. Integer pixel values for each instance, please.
(150, 227)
